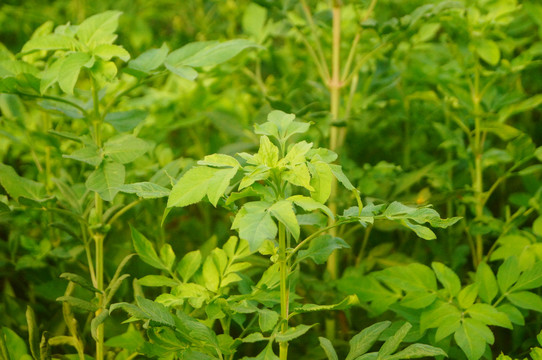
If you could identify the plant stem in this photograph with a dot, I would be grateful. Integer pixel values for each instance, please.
(284, 290)
(477, 150)
(98, 235)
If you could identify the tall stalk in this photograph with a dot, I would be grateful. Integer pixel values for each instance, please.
(284, 290)
(98, 236)
(477, 175)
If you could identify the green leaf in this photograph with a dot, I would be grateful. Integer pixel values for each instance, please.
(420, 230)
(155, 312)
(268, 153)
(338, 173)
(255, 224)
(537, 226)
(16, 346)
(321, 248)
(79, 280)
(89, 154)
(412, 277)
(440, 314)
(513, 313)
(447, 278)
(189, 264)
(488, 51)
(183, 71)
(106, 179)
(17, 186)
(309, 204)
(104, 314)
(520, 106)
(71, 67)
(125, 148)
(416, 351)
(362, 342)
(157, 280)
(149, 60)
(145, 190)
(77, 303)
(50, 42)
(192, 187)
(529, 279)
(526, 300)
(322, 176)
(267, 319)
(98, 28)
(283, 211)
(508, 273)
(487, 283)
(418, 299)
(393, 342)
(216, 53)
(344, 304)
(219, 160)
(145, 250)
(33, 332)
(167, 256)
(472, 338)
(468, 295)
(328, 348)
(211, 274)
(292, 333)
(124, 121)
(299, 175)
(219, 183)
(488, 315)
(109, 51)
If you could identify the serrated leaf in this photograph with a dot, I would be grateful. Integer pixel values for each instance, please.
(157, 280)
(189, 264)
(256, 225)
(393, 342)
(88, 154)
(124, 121)
(267, 319)
(145, 250)
(209, 53)
(125, 148)
(192, 187)
(447, 278)
(79, 280)
(97, 321)
(145, 190)
(526, 300)
(155, 312)
(149, 60)
(106, 179)
(322, 177)
(328, 348)
(109, 51)
(321, 248)
(362, 342)
(309, 204)
(81, 304)
(283, 211)
(529, 279)
(416, 351)
(219, 183)
(71, 67)
(50, 42)
(292, 333)
(339, 174)
(487, 283)
(97, 28)
(17, 186)
(488, 315)
(508, 273)
(211, 274)
(472, 338)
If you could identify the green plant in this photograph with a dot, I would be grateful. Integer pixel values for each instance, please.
(289, 183)
(73, 70)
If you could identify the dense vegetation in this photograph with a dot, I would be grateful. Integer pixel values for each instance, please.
(270, 179)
